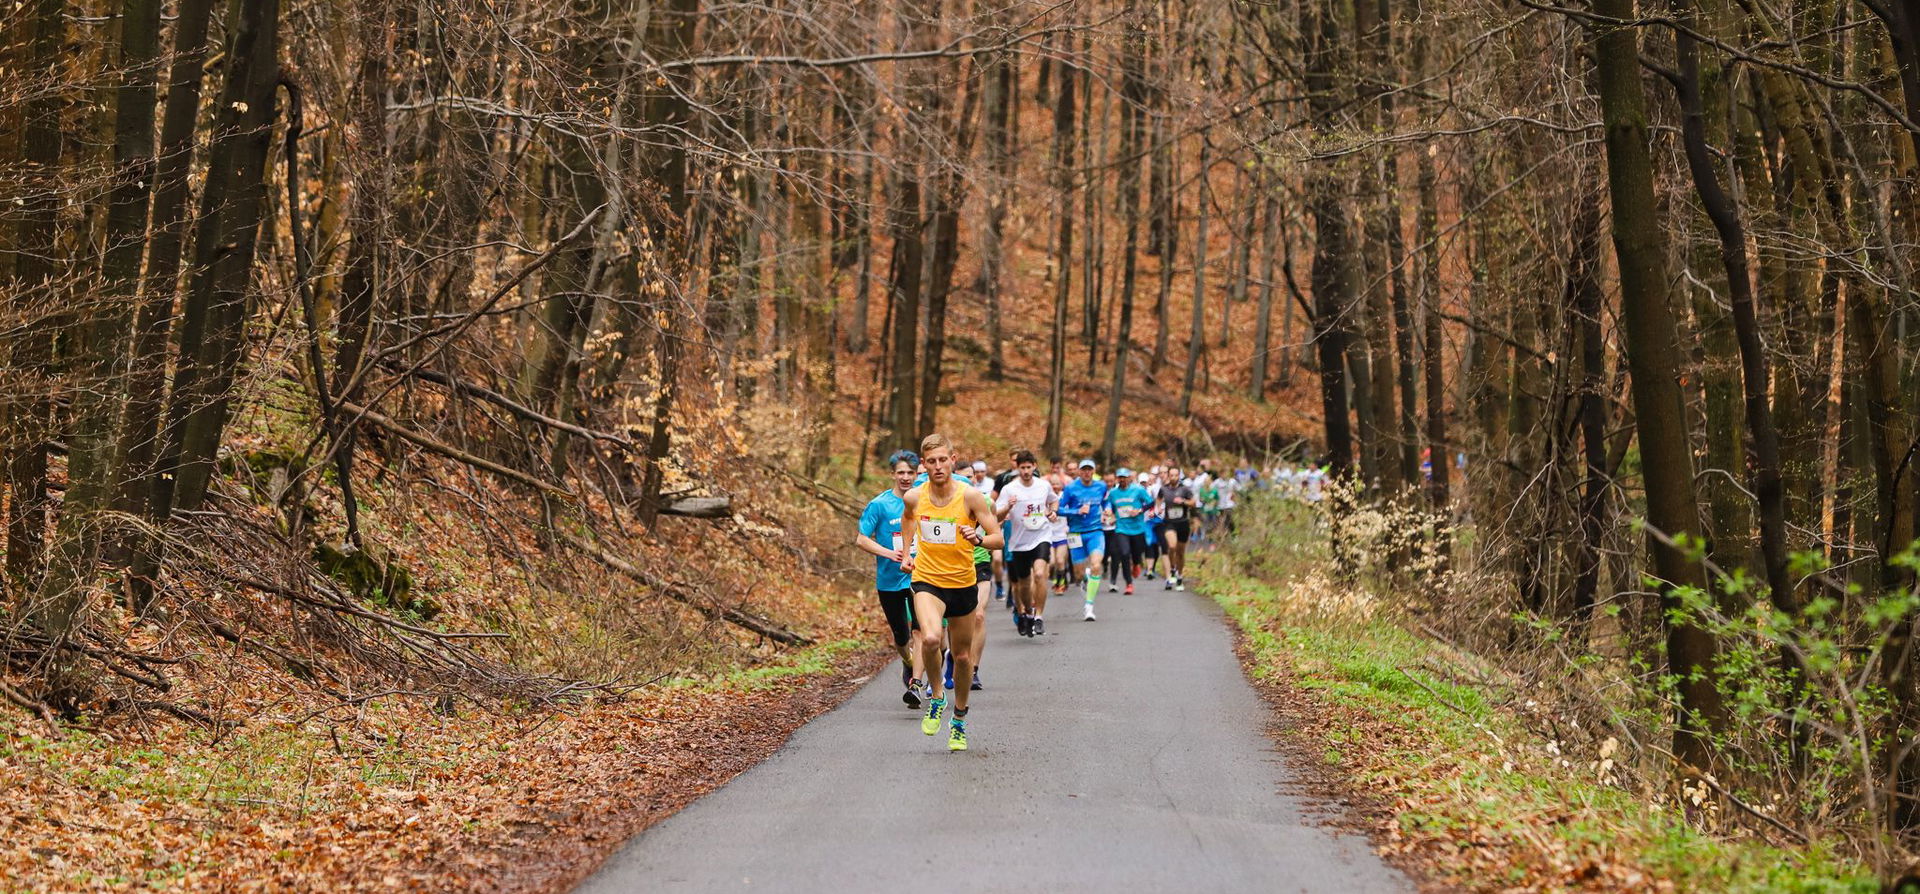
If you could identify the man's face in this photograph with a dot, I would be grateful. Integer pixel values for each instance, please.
(903, 474)
(1086, 474)
(938, 464)
(1026, 473)
(1124, 480)
(1173, 476)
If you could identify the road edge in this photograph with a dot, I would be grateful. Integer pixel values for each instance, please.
(1334, 801)
(754, 726)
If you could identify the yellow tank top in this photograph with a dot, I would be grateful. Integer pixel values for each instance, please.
(946, 558)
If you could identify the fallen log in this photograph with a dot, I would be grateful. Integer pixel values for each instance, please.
(678, 593)
(700, 507)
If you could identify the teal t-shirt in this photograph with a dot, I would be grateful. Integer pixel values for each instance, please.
(1130, 505)
(881, 523)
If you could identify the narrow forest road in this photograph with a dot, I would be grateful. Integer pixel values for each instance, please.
(1121, 755)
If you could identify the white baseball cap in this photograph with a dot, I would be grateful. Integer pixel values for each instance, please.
(1089, 464)
(979, 466)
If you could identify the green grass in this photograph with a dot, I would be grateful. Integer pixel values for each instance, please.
(1472, 765)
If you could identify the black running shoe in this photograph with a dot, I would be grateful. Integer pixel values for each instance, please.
(1023, 624)
(1038, 628)
(976, 687)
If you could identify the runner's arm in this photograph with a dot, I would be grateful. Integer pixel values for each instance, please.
(993, 539)
(869, 527)
(909, 529)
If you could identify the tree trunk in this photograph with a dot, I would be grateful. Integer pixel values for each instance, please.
(1652, 345)
(213, 319)
(1196, 331)
(1263, 320)
(34, 290)
(1133, 92)
(1063, 163)
(1439, 450)
(1332, 273)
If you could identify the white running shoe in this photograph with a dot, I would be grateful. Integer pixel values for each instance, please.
(1113, 588)
(1089, 615)
(1180, 583)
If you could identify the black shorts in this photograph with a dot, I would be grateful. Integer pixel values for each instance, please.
(1020, 564)
(1178, 527)
(960, 601)
(982, 572)
(898, 606)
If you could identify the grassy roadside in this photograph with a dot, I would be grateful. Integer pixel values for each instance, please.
(1465, 786)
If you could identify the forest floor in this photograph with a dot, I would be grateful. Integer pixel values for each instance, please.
(514, 802)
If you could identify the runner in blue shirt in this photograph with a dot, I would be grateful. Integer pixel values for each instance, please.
(1130, 503)
(1082, 502)
(880, 536)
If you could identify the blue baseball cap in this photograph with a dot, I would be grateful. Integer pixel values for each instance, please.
(1123, 473)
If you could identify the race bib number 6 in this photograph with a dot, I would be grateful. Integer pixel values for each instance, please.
(937, 531)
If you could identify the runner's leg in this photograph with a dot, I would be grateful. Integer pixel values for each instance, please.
(967, 634)
(1037, 586)
(927, 613)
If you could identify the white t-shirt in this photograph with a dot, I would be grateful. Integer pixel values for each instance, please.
(1027, 500)
(1225, 488)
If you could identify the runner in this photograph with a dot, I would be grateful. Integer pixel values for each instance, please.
(1030, 505)
(1003, 558)
(1176, 504)
(1062, 562)
(1129, 511)
(945, 521)
(880, 535)
(1084, 501)
(1056, 532)
(1116, 547)
(1130, 503)
(1156, 544)
(1228, 488)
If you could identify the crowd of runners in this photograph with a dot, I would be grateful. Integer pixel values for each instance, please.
(951, 538)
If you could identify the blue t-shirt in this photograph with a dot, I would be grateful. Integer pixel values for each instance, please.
(1078, 496)
(1133, 496)
(881, 523)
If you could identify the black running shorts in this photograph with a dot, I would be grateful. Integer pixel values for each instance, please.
(1179, 527)
(960, 601)
(1020, 564)
(898, 606)
(982, 572)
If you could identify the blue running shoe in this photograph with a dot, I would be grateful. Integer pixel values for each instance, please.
(947, 674)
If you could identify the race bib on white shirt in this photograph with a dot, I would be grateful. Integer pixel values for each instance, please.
(938, 531)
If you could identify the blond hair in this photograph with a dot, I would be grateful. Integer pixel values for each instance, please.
(934, 441)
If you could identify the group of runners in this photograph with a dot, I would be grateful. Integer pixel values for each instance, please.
(950, 539)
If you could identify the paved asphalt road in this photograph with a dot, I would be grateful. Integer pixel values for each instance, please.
(1121, 755)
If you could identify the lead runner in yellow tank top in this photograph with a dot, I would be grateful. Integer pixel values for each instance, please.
(944, 522)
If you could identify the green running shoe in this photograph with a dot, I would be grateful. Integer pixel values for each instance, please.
(936, 709)
(957, 736)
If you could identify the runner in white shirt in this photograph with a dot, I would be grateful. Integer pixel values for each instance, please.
(1227, 487)
(1029, 503)
(1057, 532)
